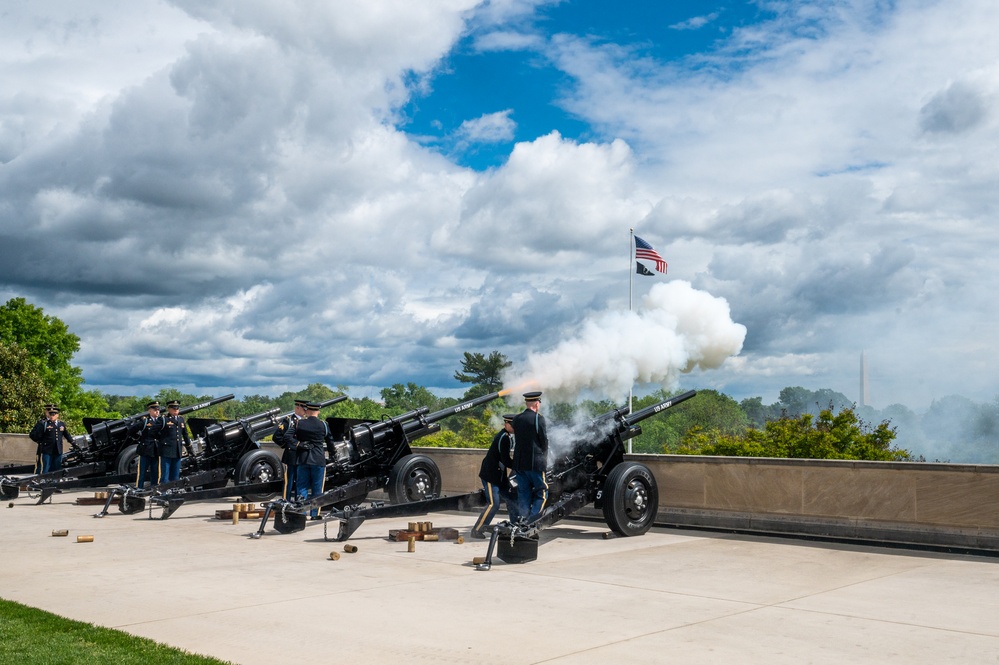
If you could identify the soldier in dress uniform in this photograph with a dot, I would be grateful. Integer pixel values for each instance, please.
(530, 457)
(147, 429)
(310, 437)
(494, 477)
(48, 433)
(289, 457)
(172, 436)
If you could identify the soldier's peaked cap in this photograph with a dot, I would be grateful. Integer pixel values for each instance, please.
(532, 397)
(508, 417)
(313, 406)
(153, 405)
(173, 404)
(301, 402)
(53, 409)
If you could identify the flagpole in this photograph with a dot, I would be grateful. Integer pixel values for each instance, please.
(631, 282)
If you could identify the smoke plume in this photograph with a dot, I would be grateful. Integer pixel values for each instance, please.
(675, 329)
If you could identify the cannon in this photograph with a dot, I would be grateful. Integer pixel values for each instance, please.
(374, 456)
(593, 471)
(108, 456)
(223, 452)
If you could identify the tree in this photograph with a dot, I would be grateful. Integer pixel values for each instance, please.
(710, 410)
(22, 392)
(51, 346)
(828, 436)
(402, 398)
(48, 342)
(484, 372)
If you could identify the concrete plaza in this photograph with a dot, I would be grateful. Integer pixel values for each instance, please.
(675, 596)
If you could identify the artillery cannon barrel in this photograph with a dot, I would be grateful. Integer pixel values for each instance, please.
(464, 406)
(650, 411)
(413, 421)
(258, 423)
(232, 428)
(111, 428)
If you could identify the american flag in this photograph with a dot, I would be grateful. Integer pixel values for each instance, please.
(643, 250)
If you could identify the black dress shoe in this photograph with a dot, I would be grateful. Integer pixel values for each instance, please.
(477, 534)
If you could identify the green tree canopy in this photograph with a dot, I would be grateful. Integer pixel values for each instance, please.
(51, 346)
(484, 372)
(828, 436)
(709, 409)
(48, 342)
(22, 392)
(401, 398)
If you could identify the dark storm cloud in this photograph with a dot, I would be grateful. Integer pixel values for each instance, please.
(958, 108)
(502, 319)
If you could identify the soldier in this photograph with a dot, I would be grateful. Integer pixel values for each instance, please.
(289, 457)
(495, 481)
(147, 429)
(48, 433)
(172, 435)
(530, 457)
(310, 437)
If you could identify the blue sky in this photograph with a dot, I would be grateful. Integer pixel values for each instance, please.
(479, 78)
(358, 192)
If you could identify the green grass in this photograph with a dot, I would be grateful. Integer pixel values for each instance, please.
(32, 636)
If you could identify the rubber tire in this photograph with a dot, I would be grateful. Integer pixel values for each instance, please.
(259, 466)
(127, 462)
(413, 478)
(630, 499)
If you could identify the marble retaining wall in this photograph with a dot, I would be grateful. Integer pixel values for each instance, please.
(17, 449)
(939, 505)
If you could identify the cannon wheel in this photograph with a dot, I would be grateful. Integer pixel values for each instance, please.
(413, 478)
(10, 491)
(631, 499)
(129, 505)
(127, 461)
(259, 466)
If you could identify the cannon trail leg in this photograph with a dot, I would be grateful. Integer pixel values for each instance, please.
(263, 521)
(107, 504)
(488, 563)
(45, 494)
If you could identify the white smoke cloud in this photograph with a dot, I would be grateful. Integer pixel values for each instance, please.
(676, 329)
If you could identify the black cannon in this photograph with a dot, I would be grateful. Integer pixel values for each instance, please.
(593, 471)
(374, 456)
(223, 452)
(106, 455)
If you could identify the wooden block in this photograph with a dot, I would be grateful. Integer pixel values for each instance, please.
(90, 501)
(401, 536)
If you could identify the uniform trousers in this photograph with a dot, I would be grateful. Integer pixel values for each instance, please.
(169, 469)
(310, 482)
(148, 468)
(50, 463)
(532, 493)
